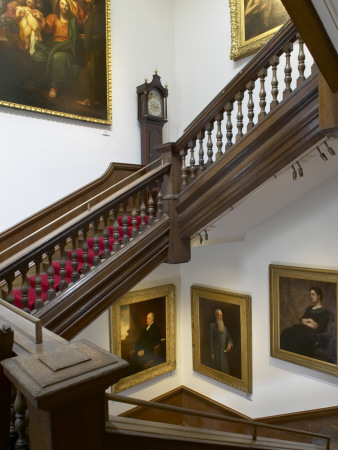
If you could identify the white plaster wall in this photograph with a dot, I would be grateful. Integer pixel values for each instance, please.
(305, 235)
(44, 158)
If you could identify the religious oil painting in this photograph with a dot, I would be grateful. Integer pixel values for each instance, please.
(221, 336)
(143, 333)
(55, 58)
(303, 308)
(253, 23)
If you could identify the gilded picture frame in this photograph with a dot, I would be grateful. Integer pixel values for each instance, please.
(225, 355)
(303, 309)
(253, 23)
(129, 336)
(61, 70)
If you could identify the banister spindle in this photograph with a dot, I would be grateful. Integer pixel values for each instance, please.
(184, 175)
(159, 201)
(10, 296)
(75, 263)
(219, 135)
(143, 213)
(116, 231)
(96, 244)
(50, 272)
(13, 434)
(200, 138)
(38, 288)
(134, 231)
(191, 147)
(228, 108)
(63, 283)
(262, 94)
(274, 81)
(301, 60)
(239, 98)
(288, 69)
(86, 267)
(125, 228)
(20, 407)
(250, 87)
(209, 129)
(151, 209)
(106, 241)
(24, 289)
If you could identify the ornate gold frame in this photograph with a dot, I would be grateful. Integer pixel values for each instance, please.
(240, 47)
(237, 307)
(107, 113)
(289, 287)
(148, 296)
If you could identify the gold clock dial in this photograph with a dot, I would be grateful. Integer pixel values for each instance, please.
(154, 104)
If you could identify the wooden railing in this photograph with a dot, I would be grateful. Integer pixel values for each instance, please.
(244, 103)
(65, 256)
(251, 424)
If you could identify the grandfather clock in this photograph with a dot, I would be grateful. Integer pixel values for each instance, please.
(152, 115)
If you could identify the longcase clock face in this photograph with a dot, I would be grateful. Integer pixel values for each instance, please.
(154, 104)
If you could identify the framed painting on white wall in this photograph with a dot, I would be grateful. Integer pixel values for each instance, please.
(303, 308)
(221, 336)
(253, 23)
(55, 58)
(142, 331)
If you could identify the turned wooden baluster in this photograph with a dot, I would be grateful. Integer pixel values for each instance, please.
(151, 209)
(13, 434)
(184, 175)
(274, 81)
(116, 232)
(239, 98)
(250, 87)
(301, 60)
(106, 252)
(38, 288)
(24, 289)
(20, 407)
(143, 213)
(262, 94)
(200, 138)
(86, 267)
(96, 243)
(288, 69)
(63, 272)
(74, 256)
(159, 202)
(134, 231)
(10, 296)
(210, 152)
(228, 109)
(191, 147)
(125, 237)
(219, 135)
(50, 272)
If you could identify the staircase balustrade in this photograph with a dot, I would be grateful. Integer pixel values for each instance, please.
(38, 276)
(244, 103)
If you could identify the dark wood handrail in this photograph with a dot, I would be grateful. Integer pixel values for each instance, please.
(193, 412)
(248, 73)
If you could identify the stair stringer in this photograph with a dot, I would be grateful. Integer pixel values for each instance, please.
(290, 129)
(86, 300)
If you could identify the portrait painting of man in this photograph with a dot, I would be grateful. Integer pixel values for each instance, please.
(143, 333)
(221, 324)
(53, 57)
(304, 316)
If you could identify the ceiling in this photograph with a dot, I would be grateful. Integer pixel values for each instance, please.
(276, 195)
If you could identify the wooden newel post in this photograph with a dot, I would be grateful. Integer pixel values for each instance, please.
(6, 345)
(65, 393)
(179, 248)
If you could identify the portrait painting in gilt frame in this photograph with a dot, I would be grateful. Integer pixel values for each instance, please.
(303, 308)
(253, 23)
(142, 331)
(55, 58)
(221, 336)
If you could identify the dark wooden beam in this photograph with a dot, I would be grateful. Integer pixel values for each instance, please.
(305, 17)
